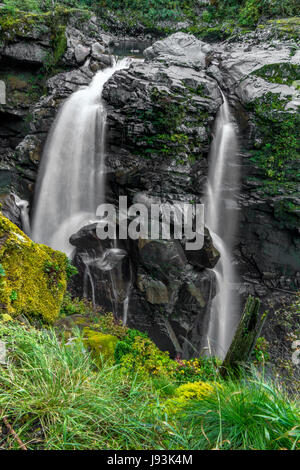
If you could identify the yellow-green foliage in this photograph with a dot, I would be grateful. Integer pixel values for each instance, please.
(187, 392)
(144, 357)
(109, 325)
(33, 279)
(5, 318)
(100, 343)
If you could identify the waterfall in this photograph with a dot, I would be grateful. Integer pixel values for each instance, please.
(221, 210)
(23, 206)
(88, 280)
(71, 178)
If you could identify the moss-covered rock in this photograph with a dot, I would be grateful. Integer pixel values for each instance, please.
(287, 27)
(33, 278)
(283, 73)
(277, 147)
(100, 343)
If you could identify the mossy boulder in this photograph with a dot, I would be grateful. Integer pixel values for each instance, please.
(100, 343)
(33, 278)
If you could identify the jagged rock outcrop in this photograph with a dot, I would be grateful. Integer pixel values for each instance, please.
(160, 114)
(261, 76)
(150, 284)
(160, 121)
(30, 53)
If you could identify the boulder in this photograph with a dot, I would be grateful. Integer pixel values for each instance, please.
(81, 53)
(207, 257)
(97, 49)
(33, 278)
(182, 47)
(28, 52)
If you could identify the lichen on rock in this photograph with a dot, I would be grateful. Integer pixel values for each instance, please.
(33, 277)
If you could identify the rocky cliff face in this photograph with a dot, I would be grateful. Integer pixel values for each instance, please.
(31, 52)
(160, 120)
(262, 77)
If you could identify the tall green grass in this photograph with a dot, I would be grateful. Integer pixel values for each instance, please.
(56, 396)
(246, 414)
(58, 393)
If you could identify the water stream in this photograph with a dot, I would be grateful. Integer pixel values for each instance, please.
(221, 216)
(71, 184)
(23, 205)
(71, 178)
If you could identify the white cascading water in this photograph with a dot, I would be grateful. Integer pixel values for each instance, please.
(71, 180)
(223, 180)
(24, 214)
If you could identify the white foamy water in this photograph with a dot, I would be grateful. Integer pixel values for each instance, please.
(24, 214)
(71, 179)
(223, 182)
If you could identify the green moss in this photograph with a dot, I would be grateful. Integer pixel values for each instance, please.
(12, 26)
(100, 343)
(211, 33)
(277, 153)
(287, 213)
(138, 354)
(286, 27)
(284, 73)
(278, 149)
(72, 306)
(163, 119)
(59, 47)
(27, 288)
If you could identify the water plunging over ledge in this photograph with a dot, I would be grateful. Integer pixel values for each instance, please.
(71, 178)
(221, 215)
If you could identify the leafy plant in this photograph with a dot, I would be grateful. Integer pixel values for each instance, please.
(192, 370)
(72, 306)
(137, 353)
(71, 270)
(261, 351)
(13, 295)
(53, 270)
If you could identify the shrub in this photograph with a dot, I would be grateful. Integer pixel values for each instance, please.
(261, 351)
(109, 325)
(137, 353)
(204, 368)
(72, 306)
(187, 392)
(250, 13)
(279, 143)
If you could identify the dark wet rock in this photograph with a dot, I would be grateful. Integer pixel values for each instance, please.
(25, 52)
(239, 71)
(10, 210)
(207, 257)
(97, 49)
(156, 292)
(160, 121)
(161, 113)
(167, 297)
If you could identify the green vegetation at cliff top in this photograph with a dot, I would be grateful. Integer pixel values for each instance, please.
(215, 20)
